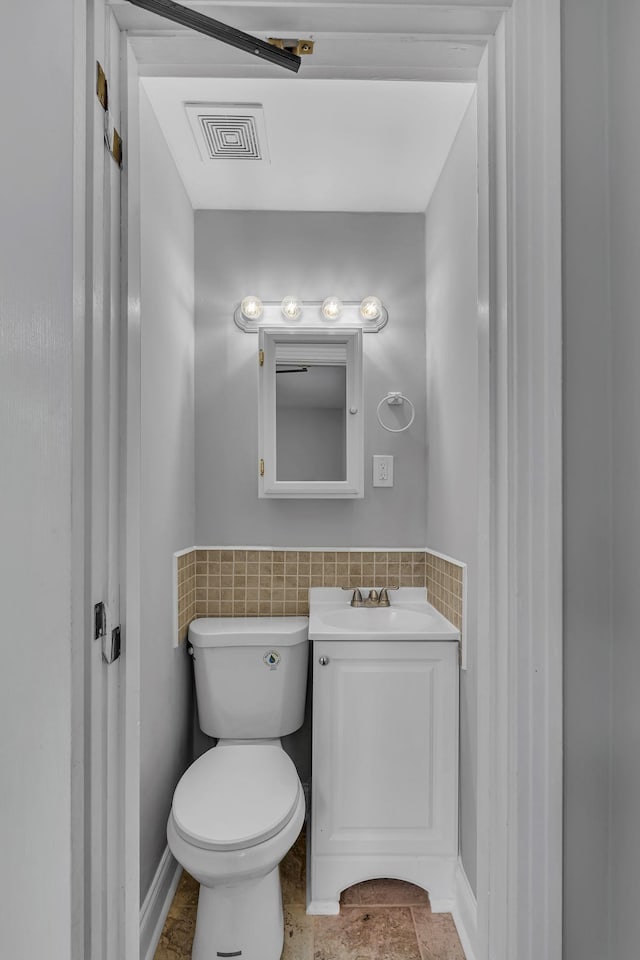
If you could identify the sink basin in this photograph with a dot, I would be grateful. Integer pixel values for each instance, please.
(410, 617)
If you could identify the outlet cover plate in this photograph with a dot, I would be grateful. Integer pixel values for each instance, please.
(382, 470)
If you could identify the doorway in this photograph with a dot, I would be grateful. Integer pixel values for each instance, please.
(512, 736)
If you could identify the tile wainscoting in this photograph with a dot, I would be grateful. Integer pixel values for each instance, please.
(261, 582)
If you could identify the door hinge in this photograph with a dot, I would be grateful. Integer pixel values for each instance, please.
(116, 147)
(102, 90)
(262, 468)
(261, 357)
(112, 139)
(111, 646)
(99, 620)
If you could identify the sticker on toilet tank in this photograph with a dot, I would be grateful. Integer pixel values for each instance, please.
(272, 659)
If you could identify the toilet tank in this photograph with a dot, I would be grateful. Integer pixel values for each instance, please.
(251, 675)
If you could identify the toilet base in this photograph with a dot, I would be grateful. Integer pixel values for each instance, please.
(241, 920)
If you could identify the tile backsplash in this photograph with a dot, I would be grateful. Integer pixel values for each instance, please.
(236, 582)
(445, 587)
(186, 592)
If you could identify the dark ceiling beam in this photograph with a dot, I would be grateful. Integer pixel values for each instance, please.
(220, 31)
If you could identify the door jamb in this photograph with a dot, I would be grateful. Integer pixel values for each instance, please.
(131, 432)
(79, 598)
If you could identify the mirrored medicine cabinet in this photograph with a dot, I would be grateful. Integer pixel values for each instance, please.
(311, 421)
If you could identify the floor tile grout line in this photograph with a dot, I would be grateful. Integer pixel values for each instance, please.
(415, 930)
(315, 926)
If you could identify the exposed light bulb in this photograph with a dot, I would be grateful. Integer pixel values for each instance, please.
(251, 308)
(331, 308)
(291, 308)
(370, 308)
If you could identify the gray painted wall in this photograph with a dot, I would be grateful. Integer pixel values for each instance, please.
(602, 478)
(452, 417)
(587, 483)
(36, 378)
(624, 173)
(311, 255)
(167, 521)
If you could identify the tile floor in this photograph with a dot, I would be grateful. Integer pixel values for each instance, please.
(379, 920)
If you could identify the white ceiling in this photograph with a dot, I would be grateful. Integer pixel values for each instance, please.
(348, 145)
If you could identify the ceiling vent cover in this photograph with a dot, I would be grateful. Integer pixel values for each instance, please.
(229, 131)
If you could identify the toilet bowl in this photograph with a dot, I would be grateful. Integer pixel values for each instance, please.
(239, 808)
(236, 813)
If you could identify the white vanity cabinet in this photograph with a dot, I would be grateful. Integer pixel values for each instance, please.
(385, 767)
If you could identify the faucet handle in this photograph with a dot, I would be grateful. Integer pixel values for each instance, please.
(357, 596)
(384, 596)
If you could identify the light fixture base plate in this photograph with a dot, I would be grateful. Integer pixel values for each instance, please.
(311, 317)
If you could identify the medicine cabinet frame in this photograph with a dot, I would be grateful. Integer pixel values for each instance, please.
(319, 347)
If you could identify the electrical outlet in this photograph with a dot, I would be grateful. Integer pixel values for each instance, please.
(382, 471)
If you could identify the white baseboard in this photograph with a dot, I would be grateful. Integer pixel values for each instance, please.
(441, 905)
(155, 908)
(465, 913)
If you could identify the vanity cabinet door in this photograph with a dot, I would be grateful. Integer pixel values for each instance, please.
(385, 748)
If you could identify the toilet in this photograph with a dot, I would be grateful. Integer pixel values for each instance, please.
(239, 808)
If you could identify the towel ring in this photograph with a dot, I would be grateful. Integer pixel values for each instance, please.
(394, 398)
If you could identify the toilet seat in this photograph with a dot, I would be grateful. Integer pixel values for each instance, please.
(236, 796)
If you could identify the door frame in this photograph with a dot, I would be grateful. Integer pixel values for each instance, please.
(519, 787)
(520, 798)
(132, 435)
(104, 790)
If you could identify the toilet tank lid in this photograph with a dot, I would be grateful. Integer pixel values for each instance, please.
(248, 631)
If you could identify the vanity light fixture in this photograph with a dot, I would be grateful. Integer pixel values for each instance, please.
(331, 308)
(251, 308)
(291, 308)
(370, 308)
(369, 315)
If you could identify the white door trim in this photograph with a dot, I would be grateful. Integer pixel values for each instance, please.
(520, 634)
(520, 693)
(465, 913)
(532, 418)
(80, 620)
(105, 877)
(131, 500)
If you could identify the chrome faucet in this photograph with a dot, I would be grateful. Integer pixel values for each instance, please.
(375, 599)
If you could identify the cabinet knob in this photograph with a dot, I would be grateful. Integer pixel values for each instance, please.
(323, 661)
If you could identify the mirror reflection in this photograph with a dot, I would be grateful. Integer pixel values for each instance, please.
(311, 406)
